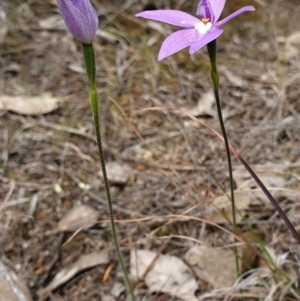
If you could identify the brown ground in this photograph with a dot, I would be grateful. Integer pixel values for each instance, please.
(167, 152)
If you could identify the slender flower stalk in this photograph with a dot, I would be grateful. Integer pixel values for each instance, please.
(89, 58)
(196, 34)
(82, 21)
(214, 74)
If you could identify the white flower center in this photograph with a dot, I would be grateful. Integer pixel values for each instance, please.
(203, 27)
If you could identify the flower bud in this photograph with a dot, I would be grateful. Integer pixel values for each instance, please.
(80, 18)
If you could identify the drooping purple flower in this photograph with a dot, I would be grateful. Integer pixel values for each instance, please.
(197, 32)
(80, 18)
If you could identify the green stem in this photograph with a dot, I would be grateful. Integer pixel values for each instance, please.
(89, 59)
(212, 50)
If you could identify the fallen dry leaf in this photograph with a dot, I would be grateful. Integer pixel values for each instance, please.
(167, 274)
(207, 262)
(80, 217)
(293, 38)
(35, 105)
(219, 210)
(12, 288)
(204, 106)
(289, 51)
(84, 262)
(117, 173)
(248, 251)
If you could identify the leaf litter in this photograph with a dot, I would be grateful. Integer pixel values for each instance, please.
(164, 152)
(25, 105)
(248, 195)
(86, 261)
(12, 288)
(78, 218)
(165, 273)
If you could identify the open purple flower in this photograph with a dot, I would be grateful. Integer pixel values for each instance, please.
(80, 18)
(197, 32)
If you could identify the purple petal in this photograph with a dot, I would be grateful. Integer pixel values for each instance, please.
(210, 36)
(217, 7)
(176, 42)
(80, 18)
(173, 17)
(241, 10)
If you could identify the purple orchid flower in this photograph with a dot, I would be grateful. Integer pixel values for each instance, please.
(198, 32)
(80, 18)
